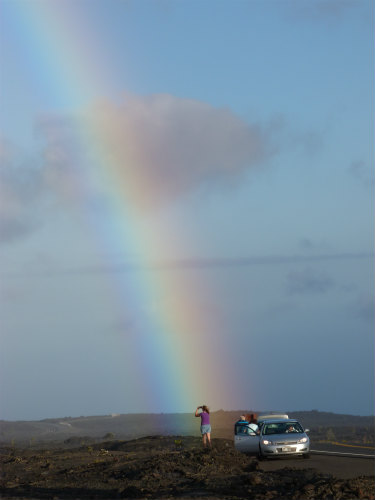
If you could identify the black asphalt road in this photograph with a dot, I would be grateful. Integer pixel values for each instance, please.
(343, 449)
(340, 461)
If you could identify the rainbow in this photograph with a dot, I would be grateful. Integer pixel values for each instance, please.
(174, 360)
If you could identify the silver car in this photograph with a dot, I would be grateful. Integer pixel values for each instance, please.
(276, 436)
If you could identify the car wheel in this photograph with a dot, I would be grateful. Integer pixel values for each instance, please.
(306, 455)
(261, 457)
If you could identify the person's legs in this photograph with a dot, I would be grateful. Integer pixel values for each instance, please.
(208, 438)
(204, 440)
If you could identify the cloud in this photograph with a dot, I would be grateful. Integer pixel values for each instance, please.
(315, 247)
(308, 281)
(11, 294)
(331, 8)
(156, 148)
(151, 149)
(364, 308)
(323, 9)
(20, 187)
(360, 171)
(306, 244)
(310, 142)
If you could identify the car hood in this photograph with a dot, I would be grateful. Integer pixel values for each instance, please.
(284, 438)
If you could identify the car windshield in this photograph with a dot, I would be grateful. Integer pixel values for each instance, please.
(281, 428)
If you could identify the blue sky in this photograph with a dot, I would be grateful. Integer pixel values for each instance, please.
(257, 125)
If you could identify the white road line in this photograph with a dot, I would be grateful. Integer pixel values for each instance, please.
(337, 453)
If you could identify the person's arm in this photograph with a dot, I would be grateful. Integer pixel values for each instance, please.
(196, 411)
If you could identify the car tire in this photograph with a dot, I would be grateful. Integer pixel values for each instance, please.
(306, 455)
(261, 457)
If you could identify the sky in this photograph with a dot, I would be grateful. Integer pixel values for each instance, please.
(186, 215)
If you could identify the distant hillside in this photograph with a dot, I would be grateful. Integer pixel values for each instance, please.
(322, 425)
(317, 418)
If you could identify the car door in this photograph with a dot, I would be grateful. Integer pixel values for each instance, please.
(246, 442)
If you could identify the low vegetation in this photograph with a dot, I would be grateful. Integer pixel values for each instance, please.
(165, 467)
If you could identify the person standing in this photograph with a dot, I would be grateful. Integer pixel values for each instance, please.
(205, 424)
(253, 422)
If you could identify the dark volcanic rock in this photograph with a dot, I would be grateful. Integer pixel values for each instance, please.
(164, 467)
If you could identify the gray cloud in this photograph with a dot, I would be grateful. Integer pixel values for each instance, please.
(308, 281)
(364, 308)
(310, 142)
(329, 10)
(20, 189)
(316, 247)
(302, 279)
(126, 326)
(360, 171)
(157, 147)
(306, 243)
(10, 294)
(154, 148)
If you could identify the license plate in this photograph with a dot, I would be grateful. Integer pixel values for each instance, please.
(286, 449)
